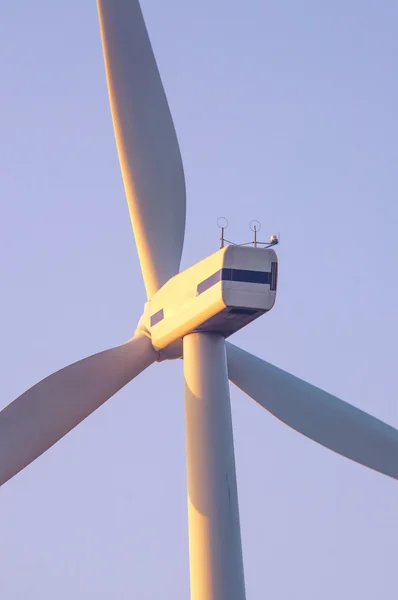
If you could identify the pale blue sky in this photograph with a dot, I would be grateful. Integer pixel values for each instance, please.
(286, 113)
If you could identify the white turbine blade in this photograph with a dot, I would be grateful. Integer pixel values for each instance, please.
(50, 409)
(146, 141)
(318, 415)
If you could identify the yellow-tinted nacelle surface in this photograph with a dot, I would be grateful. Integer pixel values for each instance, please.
(222, 293)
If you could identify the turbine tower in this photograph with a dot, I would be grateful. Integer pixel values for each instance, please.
(188, 314)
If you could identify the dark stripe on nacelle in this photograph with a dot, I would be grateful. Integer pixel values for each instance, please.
(157, 317)
(242, 275)
(274, 276)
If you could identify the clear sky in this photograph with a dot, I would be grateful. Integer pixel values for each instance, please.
(286, 112)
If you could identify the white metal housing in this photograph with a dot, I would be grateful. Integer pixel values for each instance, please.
(221, 294)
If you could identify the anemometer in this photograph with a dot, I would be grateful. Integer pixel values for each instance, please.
(255, 227)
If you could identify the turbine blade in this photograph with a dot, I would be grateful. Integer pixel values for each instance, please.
(146, 141)
(316, 414)
(50, 409)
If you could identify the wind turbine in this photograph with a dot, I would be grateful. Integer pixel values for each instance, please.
(190, 315)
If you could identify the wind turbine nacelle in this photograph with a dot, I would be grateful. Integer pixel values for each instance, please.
(222, 293)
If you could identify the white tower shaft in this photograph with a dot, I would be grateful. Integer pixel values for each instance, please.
(215, 549)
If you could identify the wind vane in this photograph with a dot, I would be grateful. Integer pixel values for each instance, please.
(255, 226)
